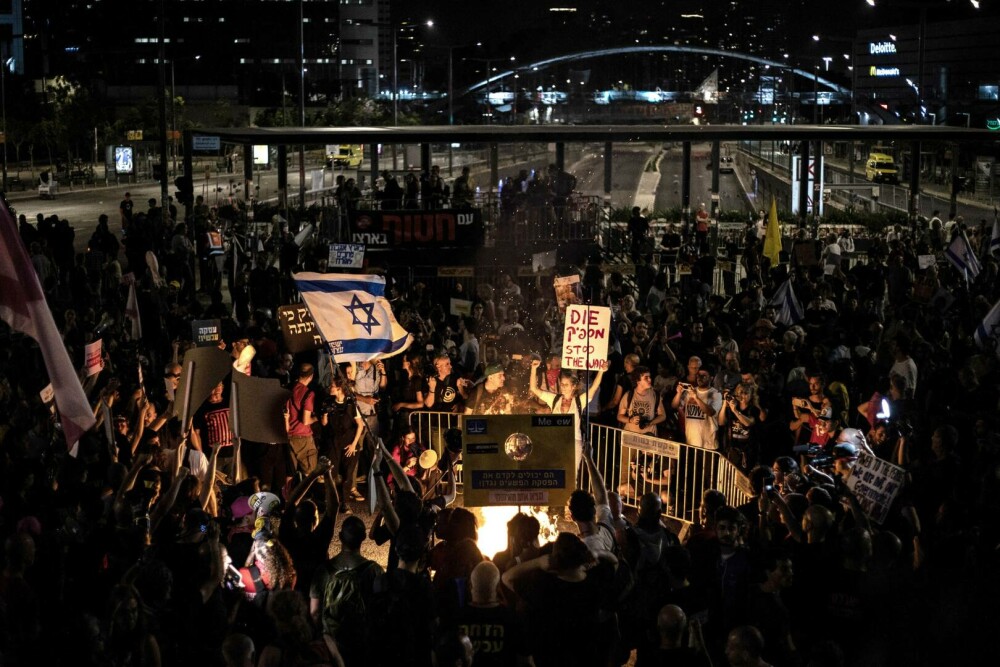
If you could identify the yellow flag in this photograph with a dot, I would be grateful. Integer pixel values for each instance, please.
(772, 236)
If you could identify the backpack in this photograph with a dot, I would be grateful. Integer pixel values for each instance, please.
(344, 604)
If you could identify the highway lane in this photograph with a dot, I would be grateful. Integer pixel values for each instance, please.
(668, 194)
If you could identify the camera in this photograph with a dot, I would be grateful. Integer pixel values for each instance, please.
(685, 386)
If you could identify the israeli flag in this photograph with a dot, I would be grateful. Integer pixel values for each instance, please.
(353, 315)
(987, 334)
(995, 238)
(789, 309)
(959, 253)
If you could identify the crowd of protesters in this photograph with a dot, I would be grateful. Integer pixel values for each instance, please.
(131, 554)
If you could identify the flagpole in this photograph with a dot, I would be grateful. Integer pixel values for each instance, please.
(234, 422)
(185, 410)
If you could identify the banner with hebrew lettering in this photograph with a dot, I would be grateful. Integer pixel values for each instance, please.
(518, 460)
(299, 328)
(443, 228)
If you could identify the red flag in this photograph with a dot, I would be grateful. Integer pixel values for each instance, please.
(23, 307)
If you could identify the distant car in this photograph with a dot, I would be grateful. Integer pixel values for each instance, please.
(726, 164)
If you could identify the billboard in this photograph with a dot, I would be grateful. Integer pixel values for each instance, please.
(445, 228)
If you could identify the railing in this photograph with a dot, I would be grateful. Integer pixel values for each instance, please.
(633, 465)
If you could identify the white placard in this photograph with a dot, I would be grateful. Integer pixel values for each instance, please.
(346, 256)
(926, 261)
(94, 357)
(585, 337)
(875, 482)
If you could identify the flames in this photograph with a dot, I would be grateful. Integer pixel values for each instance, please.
(493, 527)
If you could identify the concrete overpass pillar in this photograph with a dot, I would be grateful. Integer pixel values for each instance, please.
(283, 177)
(494, 167)
(686, 182)
(716, 154)
(248, 170)
(803, 182)
(914, 182)
(373, 152)
(607, 169)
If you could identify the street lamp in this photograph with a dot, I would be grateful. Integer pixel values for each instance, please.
(173, 109)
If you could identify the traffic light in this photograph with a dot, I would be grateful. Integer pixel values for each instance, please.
(185, 190)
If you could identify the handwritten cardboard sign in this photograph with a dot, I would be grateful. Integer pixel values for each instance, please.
(346, 256)
(586, 331)
(875, 482)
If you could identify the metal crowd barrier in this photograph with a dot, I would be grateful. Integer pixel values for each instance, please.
(633, 465)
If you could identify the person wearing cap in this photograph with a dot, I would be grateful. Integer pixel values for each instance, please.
(489, 398)
(300, 415)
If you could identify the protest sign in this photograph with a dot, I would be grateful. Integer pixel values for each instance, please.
(926, 261)
(93, 357)
(875, 482)
(567, 291)
(255, 409)
(202, 369)
(518, 460)
(346, 256)
(586, 331)
(299, 329)
(541, 261)
(48, 396)
(460, 307)
(206, 333)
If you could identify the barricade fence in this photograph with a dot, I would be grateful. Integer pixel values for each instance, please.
(633, 465)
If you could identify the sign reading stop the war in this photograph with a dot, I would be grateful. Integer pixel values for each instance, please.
(586, 330)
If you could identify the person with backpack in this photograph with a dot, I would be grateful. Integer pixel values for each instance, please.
(570, 400)
(341, 594)
(300, 415)
(641, 410)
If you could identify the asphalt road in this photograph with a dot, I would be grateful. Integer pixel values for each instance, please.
(668, 194)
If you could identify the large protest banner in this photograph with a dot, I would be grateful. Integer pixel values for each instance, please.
(518, 460)
(586, 332)
(445, 228)
(299, 329)
(875, 482)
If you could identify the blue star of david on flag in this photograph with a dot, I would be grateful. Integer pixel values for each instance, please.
(352, 315)
(366, 308)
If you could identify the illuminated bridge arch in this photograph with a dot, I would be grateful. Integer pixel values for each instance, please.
(624, 50)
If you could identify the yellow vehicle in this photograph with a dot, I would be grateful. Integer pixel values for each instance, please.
(880, 168)
(346, 155)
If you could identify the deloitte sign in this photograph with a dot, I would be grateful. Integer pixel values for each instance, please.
(881, 48)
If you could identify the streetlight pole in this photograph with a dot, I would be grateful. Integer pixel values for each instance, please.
(3, 103)
(302, 103)
(163, 108)
(173, 115)
(395, 76)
